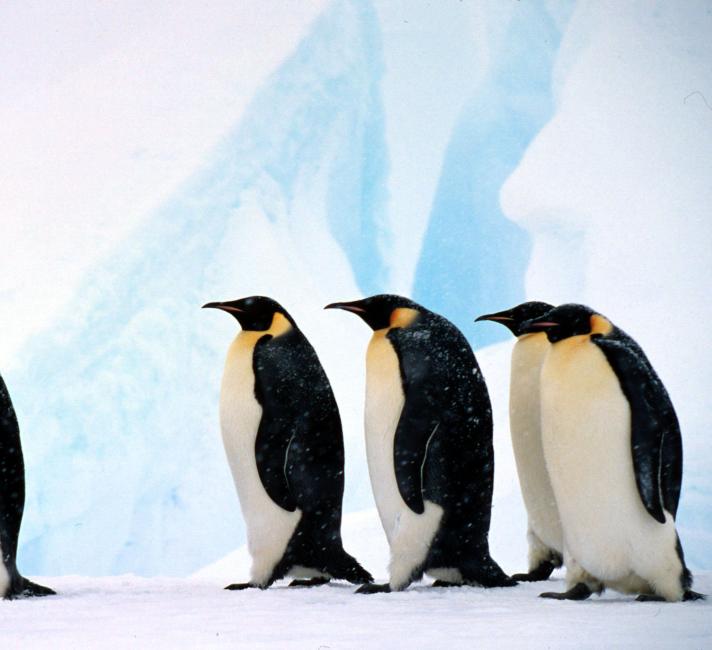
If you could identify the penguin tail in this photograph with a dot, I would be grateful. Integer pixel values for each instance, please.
(486, 573)
(344, 567)
(24, 588)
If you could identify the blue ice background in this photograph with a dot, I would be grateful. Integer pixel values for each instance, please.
(125, 469)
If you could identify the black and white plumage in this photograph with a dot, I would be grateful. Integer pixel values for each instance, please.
(613, 449)
(283, 439)
(12, 503)
(429, 445)
(544, 534)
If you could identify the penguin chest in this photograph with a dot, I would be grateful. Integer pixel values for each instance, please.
(525, 426)
(384, 403)
(586, 438)
(240, 413)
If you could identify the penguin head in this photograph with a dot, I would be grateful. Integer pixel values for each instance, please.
(568, 320)
(377, 311)
(254, 313)
(514, 317)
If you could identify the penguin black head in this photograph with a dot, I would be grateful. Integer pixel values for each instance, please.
(569, 320)
(376, 311)
(254, 313)
(514, 317)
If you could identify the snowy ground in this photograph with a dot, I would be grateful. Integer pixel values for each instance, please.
(133, 612)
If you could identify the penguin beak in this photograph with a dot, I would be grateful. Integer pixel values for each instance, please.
(537, 326)
(223, 306)
(347, 306)
(499, 317)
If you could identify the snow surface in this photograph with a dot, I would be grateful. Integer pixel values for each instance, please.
(132, 612)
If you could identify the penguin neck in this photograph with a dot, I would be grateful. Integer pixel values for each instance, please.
(402, 317)
(600, 325)
(532, 337)
(279, 326)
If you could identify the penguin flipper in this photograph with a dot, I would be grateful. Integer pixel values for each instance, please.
(299, 447)
(274, 432)
(656, 443)
(271, 456)
(419, 420)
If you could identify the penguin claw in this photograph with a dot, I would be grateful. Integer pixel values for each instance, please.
(445, 583)
(372, 588)
(579, 591)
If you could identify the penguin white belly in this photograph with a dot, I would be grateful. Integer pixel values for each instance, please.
(587, 445)
(269, 527)
(4, 576)
(525, 425)
(409, 534)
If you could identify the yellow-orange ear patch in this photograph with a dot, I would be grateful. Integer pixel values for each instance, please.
(280, 325)
(600, 325)
(403, 316)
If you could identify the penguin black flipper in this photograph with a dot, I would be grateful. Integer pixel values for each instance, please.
(421, 415)
(276, 427)
(299, 445)
(655, 431)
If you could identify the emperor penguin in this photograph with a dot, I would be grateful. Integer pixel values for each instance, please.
(613, 449)
(282, 435)
(12, 503)
(544, 534)
(428, 425)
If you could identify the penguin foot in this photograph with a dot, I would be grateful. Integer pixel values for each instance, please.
(578, 592)
(372, 588)
(542, 572)
(239, 586)
(693, 595)
(311, 582)
(445, 583)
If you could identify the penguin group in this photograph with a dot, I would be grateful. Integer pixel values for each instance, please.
(596, 442)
